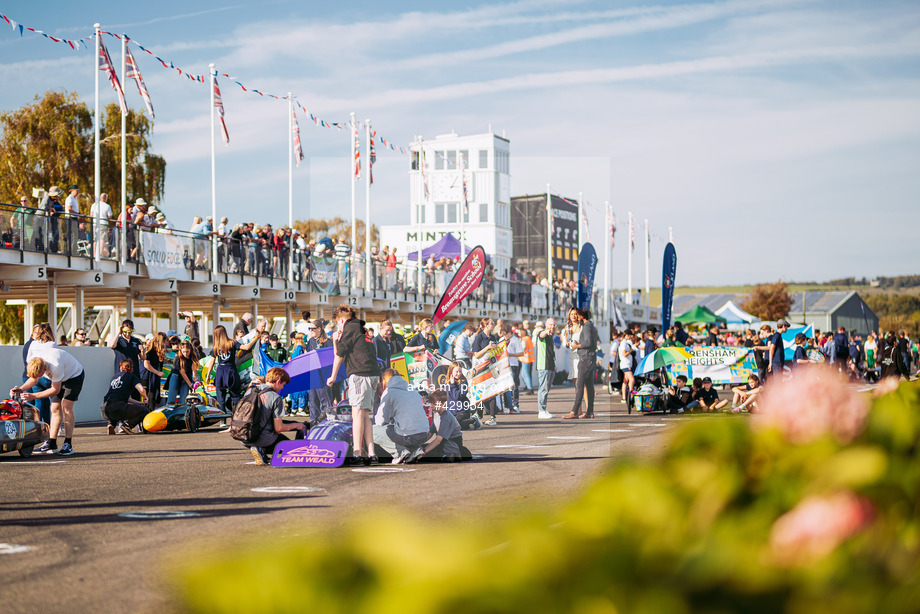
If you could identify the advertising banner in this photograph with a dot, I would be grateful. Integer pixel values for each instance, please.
(325, 274)
(448, 336)
(668, 275)
(490, 375)
(416, 367)
(725, 365)
(465, 280)
(165, 255)
(587, 266)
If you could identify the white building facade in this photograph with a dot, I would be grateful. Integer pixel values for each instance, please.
(482, 163)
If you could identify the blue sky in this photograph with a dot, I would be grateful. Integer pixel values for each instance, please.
(779, 138)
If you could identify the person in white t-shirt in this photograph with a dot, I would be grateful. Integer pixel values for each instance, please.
(514, 349)
(101, 212)
(66, 375)
(625, 352)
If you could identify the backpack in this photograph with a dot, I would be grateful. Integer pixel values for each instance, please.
(245, 424)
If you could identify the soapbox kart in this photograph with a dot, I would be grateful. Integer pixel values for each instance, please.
(21, 427)
(200, 409)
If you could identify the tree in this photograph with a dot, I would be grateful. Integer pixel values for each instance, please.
(768, 301)
(50, 143)
(334, 228)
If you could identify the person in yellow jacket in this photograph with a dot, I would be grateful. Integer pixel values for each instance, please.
(527, 359)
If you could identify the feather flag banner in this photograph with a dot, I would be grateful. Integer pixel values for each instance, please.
(298, 149)
(105, 65)
(134, 73)
(219, 105)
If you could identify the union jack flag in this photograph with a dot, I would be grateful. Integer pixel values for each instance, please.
(298, 150)
(105, 65)
(219, 105)
(372, 159)
(134, 73)
(357, 152)
(632, 234)
(424, 166)
(464, 181)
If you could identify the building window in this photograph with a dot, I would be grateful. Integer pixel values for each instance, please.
(439, 160)
(483, 158)
(414, 160)
(483, 212)
(465, 156)
(452, 213)
(502, 164)
(439, 213)
(420, 214)
(466, 216)
(451, 159)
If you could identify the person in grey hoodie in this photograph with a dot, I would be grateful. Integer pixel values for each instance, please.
(401, 425)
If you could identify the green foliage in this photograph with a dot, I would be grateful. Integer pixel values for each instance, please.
(11, 319)
(704, 528)
(768, 301)
(896, 312)
(50, 143)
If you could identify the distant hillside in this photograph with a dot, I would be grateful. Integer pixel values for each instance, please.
(885, 285)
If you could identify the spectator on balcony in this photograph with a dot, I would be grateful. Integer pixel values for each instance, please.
(101, 212)
(279, 252)
(342, 253)
(164, 226)
(264, 241)
(52, 208)
(223, 234)
(392, 261)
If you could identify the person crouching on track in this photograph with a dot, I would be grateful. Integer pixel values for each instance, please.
(448, 440)
(401, 424)
(122, 413)
(272, 410)
(66, 375)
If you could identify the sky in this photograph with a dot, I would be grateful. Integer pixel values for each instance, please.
(777, 139)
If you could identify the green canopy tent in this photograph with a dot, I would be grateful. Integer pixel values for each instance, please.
(699, 315)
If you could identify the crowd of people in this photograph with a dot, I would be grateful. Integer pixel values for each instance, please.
(891, 355)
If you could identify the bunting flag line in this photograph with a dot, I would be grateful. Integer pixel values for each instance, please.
(219, 105)
(18, 27)
(372, 159)
(84, 43)
(298, 150)
(357, 152)
(105, 65)
(132, 72)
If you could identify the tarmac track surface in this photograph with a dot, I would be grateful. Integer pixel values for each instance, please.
(65, 543)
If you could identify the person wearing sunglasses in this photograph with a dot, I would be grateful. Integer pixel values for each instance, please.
(79, 338)
(127, 344)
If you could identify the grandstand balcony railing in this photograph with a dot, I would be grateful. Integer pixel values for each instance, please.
(211, 257)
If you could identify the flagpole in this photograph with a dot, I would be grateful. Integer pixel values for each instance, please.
(647, 262)
(354, 166)
(418, 219)
(213, 164)
(367, 208)
(463, 206)
(581, 219)
(629, 261)
(549, 250)
(97, 170)
(607, 261)
(291, 185)
(124, 144)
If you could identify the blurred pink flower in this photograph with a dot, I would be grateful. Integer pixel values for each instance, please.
(817, 525)
(817, 401)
